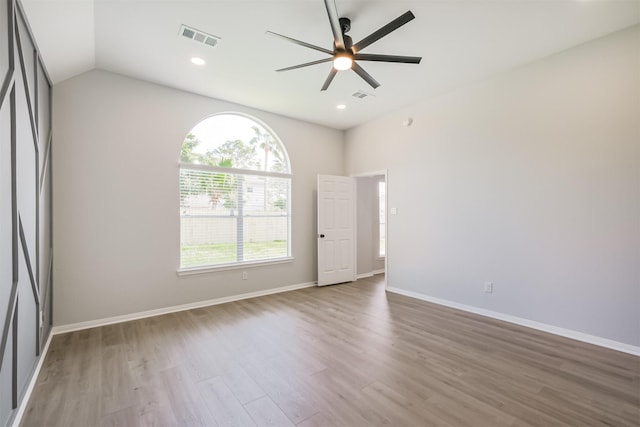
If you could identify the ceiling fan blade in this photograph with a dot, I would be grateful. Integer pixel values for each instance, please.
(299, 42)
(330, 77)
(377, 35)
(387, 58)
(306, 64)
(365, 76)
(334, 20)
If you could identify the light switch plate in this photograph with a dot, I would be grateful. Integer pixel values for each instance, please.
(394, 211)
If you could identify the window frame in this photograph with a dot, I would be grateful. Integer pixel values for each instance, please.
(182, 271)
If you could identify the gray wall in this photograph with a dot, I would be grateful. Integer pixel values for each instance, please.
(530, 180)
(367, 232)
(25, 209)
(118, 141)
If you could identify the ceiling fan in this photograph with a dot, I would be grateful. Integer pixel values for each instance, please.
(345, 54)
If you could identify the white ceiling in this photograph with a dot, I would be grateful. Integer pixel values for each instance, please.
(460, 42)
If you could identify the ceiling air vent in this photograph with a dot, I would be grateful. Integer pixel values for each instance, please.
(361, 94)
(199, 36)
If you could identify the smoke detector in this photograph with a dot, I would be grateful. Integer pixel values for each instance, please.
(199, 36)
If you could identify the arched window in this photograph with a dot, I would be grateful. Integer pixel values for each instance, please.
(235, 194)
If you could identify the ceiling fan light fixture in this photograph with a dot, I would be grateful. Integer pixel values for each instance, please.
(342, 62)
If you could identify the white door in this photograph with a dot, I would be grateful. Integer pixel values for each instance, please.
(336, 230)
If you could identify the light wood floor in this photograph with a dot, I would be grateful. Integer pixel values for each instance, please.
(345, 355)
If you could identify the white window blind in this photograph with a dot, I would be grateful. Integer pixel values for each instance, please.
(232, 217)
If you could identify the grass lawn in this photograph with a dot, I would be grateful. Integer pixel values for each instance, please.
(224, 253)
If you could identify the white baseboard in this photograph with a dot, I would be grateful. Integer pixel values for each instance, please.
(32, 383)
(150, 313)
(568, 333)
(369, 274)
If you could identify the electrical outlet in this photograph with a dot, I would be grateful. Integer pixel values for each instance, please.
(488, 287)
(244, 275)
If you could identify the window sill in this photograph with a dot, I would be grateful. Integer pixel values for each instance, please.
(224, 267)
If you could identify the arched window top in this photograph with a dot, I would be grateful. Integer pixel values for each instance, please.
(235, 141)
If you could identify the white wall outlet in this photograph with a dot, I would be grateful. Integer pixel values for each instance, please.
(488, 287)
(244, 275)
(394, 211)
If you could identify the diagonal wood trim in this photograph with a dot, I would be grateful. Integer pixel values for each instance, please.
(32, 279)
(8, 79)
(20, 12)
(44, 69)
(27, 92)
(6, 86)
(11, 308)
(25, 251)
(45, 162)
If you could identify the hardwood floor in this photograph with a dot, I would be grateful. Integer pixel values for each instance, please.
(345, 355)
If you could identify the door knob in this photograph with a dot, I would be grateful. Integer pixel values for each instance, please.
(322, 236)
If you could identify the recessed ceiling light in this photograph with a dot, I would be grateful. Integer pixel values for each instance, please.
(341, 106)
(197, 61)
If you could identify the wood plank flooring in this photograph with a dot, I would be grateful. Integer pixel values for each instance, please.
(345, 355)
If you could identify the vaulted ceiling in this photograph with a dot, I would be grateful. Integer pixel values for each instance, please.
(460, 42)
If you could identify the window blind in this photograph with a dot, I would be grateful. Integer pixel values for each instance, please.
(232, 217)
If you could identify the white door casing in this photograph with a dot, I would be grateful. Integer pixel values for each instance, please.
(336, 230)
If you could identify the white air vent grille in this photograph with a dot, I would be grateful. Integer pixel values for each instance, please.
(361, 94)
(199, 36)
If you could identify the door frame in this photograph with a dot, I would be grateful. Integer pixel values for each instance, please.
(386, 219)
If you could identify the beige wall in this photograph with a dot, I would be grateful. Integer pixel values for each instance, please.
(530, 180)
(117, 144)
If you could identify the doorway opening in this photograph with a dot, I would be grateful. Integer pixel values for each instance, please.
(371, 220)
